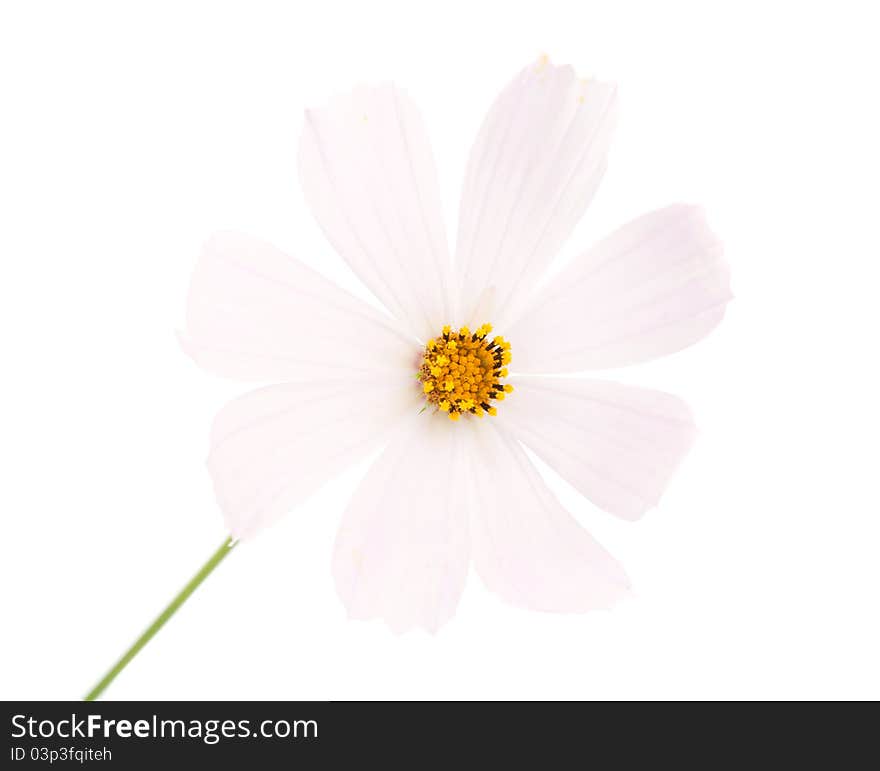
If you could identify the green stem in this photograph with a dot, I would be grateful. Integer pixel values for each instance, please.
(182, 596)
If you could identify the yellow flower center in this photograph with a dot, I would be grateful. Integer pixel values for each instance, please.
(462, 371)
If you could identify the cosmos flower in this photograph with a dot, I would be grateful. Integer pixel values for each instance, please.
(462, 371)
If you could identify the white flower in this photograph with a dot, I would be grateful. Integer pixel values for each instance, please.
(445, 493)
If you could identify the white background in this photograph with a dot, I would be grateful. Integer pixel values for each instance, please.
(129, 132)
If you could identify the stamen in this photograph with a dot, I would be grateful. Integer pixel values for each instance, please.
(461, 371)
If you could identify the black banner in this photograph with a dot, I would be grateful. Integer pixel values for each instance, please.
(144, 734)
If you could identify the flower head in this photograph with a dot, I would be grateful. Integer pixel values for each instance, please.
(451, 489)
(462, 372)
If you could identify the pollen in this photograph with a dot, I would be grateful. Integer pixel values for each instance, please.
(461, 371)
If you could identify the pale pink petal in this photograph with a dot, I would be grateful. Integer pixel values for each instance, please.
(255, 313)
(368, 174)
(402, 550)
(655, 286)
(536, 163)
(525, 546)
(616, 444)
(273, 447)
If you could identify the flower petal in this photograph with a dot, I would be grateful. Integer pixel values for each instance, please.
(616, 444)
(525, 546)
(536, 163)
(254, 313)
(273, 447)
(368, 174)
(653, 287)
(402, 550)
